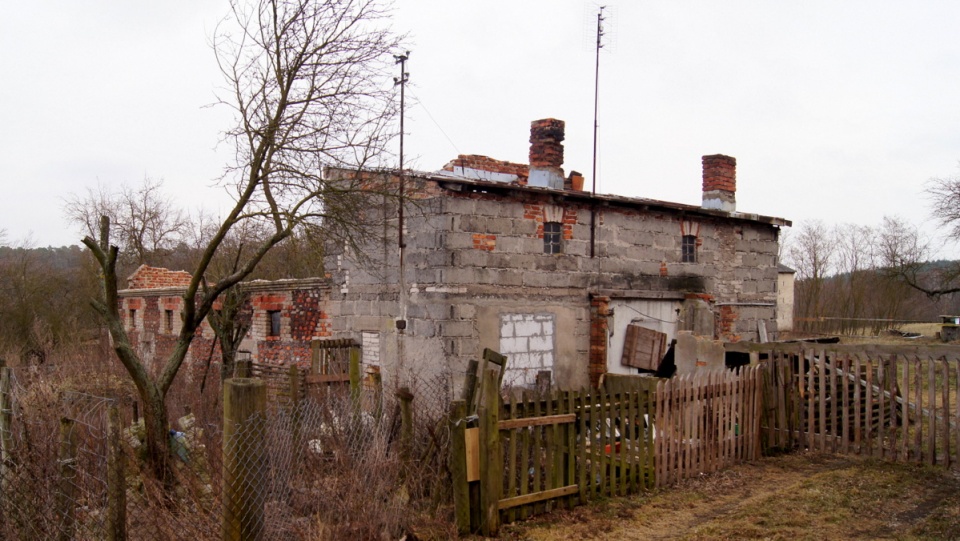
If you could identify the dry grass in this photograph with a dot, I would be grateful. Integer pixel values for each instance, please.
(799, 496)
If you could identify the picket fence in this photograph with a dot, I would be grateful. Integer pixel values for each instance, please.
(532, 453)
(898, 403)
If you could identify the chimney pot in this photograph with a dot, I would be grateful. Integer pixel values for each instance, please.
(546, 153)
(720, 182)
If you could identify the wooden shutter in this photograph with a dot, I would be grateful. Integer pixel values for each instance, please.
(643, 348)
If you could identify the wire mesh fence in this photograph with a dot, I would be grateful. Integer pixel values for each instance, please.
(74, 467)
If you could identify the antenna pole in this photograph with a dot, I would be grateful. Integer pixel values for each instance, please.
(596, 106)
(402, 81)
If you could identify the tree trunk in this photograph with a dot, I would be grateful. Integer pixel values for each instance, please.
(156, 427)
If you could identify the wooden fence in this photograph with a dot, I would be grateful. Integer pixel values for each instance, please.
(897, 403)
(531, 453)
(706, 422)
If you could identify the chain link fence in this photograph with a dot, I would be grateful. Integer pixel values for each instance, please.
(73, 467)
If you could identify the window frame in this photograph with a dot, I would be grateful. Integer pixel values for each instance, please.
(274, 325)
(688, 249)
(552, 238)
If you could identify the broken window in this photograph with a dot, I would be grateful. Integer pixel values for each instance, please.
(168, 320)
(133, 318)
(688, 249)
(273, 320)
(552, 235)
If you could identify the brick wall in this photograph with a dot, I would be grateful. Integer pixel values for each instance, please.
(146, 277)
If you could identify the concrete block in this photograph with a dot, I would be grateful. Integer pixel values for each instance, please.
(456, 328)
(466, 311)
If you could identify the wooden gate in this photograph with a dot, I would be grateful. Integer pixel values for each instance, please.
(334, 367)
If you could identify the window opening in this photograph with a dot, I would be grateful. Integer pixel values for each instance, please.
(689, 249)
(168, 320)
(273, 319)
(133, 318)
(552, 234)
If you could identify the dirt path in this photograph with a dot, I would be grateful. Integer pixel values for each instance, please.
(790, 497)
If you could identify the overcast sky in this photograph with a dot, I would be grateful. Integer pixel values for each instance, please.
(838, 111)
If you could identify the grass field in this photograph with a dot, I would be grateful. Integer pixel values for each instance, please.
(796, 497)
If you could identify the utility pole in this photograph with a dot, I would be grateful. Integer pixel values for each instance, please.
(402, 81)
(596, 106)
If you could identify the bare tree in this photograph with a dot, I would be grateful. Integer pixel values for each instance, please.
(812, 252)
(146, 223)
(309, 87)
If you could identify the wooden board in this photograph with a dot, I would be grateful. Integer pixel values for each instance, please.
(643, 348)
(472, 437)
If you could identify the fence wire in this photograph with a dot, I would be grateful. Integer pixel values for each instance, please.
(309, 470)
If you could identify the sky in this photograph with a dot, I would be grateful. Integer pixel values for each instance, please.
(835, 111)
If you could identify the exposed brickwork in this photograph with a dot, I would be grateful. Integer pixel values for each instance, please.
(719, 173)
(599, 326)
(546, 148)
(484, 242)
(146, 277)
(727, 317)
(484, 163)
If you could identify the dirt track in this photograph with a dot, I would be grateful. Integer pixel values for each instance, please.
(791, 497)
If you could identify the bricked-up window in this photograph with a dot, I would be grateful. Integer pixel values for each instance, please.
(552, 237)
(168, 320)
(689, 249)
(133, 318)
(273, 321)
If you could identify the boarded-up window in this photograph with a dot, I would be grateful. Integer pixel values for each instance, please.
(643, 348)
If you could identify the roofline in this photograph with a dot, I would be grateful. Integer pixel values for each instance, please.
(253, 286)
(601, 200)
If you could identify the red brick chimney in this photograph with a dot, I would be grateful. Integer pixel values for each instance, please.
(720, 182)
(546, 153)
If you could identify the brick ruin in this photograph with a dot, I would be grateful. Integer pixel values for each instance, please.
(503, 256)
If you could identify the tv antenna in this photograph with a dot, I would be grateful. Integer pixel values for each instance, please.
(596, 108)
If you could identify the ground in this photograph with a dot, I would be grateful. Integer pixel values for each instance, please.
(798, 496)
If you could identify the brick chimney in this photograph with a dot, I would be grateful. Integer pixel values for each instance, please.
(720, 183)
(546, 153)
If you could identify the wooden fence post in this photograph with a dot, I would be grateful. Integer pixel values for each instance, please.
(491, 456)
(67, 486)
(244, 458)
(295, 408)
(6, 425)
(458, 465)
(116, 480)
(243, 368)
(406, 422)
(355, 378)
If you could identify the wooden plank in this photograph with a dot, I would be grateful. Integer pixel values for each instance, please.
(822, 398)
(327, 378)
(472, 443)
(536, 454)
(643, 348)
(857, 409)
(512, 470)
(620, 447)
(932, 393)
(845, 406)
(491, 456)
(536, 497)
(868, 413)
(550, 452)
(523, 473)
(833, 409)
(570, 478)
(905, 418)
(918, 391)
(458, 466)
(538, 421)
(881, 383)
(659, 421)
(583, 444)
(811, 404)
(945, 404)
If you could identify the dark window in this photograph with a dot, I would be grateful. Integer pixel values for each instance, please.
(168, 320)
(273, 318)
(689, 249)
(133, 318)
(552, 235)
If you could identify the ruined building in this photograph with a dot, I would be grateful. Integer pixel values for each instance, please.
(520, 259)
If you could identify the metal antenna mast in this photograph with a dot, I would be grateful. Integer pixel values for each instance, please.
(402, 81)
(596, 106)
